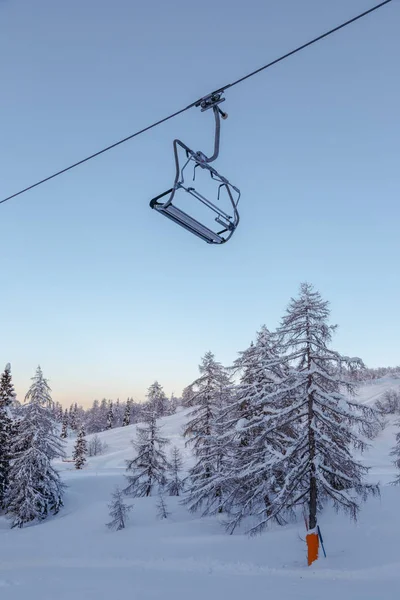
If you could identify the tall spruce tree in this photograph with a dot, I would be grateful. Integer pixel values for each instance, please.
(80, 449)
(149, 467)
(318, 463)
(175, 485)
(64, 426)
(7, 392)
(396, 454)
(119, 511)
(204, 430)
(7, 398)
(253, 476)
(127, 414)
(110, 415)
(34, 487)
(158, 401)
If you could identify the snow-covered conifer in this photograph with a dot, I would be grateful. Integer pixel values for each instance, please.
(110, 415)
(173, 404)
(157, 399)
(187, 395)
(175, 485)
(7, 392)
(119, 511)
(254, 477)
(127, 414)
(318, 463)
(162, 509)
(80, 449)
(396, 454)
(118, 412)
(64, 426)
(148, 469)
(7, 398)
(34, 487)
(205, 430)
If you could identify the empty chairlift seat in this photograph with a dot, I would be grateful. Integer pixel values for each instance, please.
(225, 219)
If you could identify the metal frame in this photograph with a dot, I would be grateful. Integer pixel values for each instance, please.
(229, 222)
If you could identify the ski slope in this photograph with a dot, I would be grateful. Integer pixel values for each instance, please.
(74, 556)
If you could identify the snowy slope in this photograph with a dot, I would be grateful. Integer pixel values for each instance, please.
(73, 555)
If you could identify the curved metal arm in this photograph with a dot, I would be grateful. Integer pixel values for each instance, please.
(216, 136)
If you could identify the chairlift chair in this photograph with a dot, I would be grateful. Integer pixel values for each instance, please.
(227, 219)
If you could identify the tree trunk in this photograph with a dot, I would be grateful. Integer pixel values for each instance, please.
(312, 509)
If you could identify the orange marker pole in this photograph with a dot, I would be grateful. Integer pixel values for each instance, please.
(312, 546)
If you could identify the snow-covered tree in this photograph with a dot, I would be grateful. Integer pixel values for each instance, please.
(389, 402)
(175, 485)
(7, 392)
(253, 477)
(119, 511)
(64, 426)
(173, 404)
(34, 487)
(148, 469)
(127, 414)
(203, 430)
(187, 395)
(7, 398)
(58, 412)
(40, 392)
(80, 449)
(157, 399)
(5, 452)
(96, 446)
(162, 509)
(396, 454)
(73, 420)
(118, 413)
(318, 463)
(110, 415)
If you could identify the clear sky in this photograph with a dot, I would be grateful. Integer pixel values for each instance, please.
(107, 295)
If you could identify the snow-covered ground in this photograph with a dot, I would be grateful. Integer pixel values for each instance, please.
(74, 556)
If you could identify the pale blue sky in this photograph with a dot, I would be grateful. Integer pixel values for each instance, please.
(104, 293)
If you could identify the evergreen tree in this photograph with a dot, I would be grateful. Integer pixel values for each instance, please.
(7, 392)
(148, 469)
(80, 449)
(254, 478)
(94, 418)
(58, 414)
(34, 487)
(157, 399)
(162, 509)
(318, 464)
(396, 453)
(204, 432)
(103, 414)
(127, 414)
(175, 485)
(64, 427)
(119, 511)
(75, 417)
(118, 414)
(110, 415)
(187, 395)
(173, 404)
(40, 392)
(7, 398)
(5, 452)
